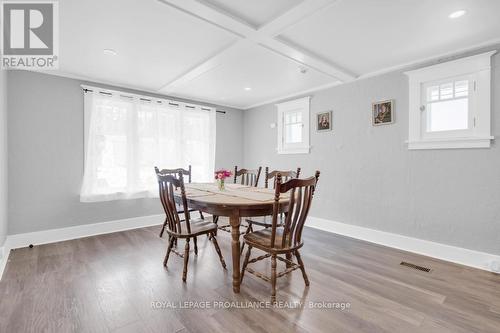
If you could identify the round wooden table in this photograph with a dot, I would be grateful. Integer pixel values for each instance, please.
(235, 202)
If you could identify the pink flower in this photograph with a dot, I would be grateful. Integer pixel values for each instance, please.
(222, 174)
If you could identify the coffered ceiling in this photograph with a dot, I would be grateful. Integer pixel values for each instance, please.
(244, 53)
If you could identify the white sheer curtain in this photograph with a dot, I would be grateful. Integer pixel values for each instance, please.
(127, 135)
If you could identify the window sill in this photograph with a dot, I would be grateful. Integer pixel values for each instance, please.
(451, 143)
(294, 151)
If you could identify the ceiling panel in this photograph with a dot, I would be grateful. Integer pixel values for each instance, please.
(255, 12)
(154, 43)
(269, 76)
(370, 35)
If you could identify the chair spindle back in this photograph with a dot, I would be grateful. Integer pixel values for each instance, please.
(301, 194)
(248, 177)
(175, 172)
(168, 184)
(285, 176)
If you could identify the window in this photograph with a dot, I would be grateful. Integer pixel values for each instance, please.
(127, 135)
(450, 104)
(446, 106)
(293, 126)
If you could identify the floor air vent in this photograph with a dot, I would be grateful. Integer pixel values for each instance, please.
(420, 268)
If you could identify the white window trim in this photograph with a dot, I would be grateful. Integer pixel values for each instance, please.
(477, 65)
(302, 148)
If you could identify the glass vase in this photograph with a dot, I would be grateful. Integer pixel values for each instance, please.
(220, 182)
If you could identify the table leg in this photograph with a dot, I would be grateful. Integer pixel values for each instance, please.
(234, 220)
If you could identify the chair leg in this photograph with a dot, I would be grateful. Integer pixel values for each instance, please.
(288, 256)
(273, 277)
(217, 248)
(186, 259)
(245, 263)
(249, 228)
(215, 219)
(201, 215)
(302, 268)
(195, 241)
(163, 228)
(169, 248)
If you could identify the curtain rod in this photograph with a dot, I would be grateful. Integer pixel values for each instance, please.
(85, 90)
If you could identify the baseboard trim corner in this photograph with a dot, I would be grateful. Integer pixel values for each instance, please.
(440, 251)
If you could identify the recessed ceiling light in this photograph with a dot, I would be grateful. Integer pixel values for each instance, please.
(457, 14)
(248, 89)
(109, 52)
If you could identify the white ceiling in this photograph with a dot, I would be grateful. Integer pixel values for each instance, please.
(211, 50)
(368, 36)
(247, 70)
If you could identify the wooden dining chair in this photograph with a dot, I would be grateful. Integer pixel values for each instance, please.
(285, 176)
(248, 177)
(266, 221)
(175, 172)
(287, 239)
(182, 229)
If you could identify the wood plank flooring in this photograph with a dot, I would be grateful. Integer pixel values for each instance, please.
(108, 283)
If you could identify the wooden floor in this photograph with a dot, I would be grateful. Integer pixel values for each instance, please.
(108, 283)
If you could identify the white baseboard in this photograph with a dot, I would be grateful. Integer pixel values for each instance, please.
(476, 259)
(85, 230)
(3, 260)
(80, 231)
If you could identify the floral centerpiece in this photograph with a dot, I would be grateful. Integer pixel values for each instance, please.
(221, 176)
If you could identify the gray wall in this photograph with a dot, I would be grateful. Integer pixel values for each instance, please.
(3, 157)
(369, 177)
(45, 147)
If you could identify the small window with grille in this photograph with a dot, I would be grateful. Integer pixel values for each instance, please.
(450, 104)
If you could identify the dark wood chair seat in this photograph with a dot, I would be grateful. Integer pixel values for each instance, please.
(261, 239)
(198, 227)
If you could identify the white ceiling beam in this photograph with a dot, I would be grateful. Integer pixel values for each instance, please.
(305, 57)
(264, 36)
(294, 15)
(213, 16)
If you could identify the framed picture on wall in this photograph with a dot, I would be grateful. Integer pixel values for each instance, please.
(383, 112)
(324, 121)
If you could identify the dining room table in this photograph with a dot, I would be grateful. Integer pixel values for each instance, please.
(235, 201)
